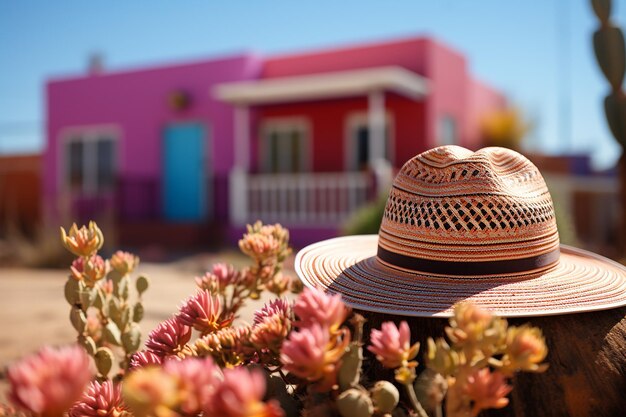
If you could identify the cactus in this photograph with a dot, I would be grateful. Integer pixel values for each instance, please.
(608, 45)
(98, 292)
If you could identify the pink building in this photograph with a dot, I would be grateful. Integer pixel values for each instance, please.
(302, 139)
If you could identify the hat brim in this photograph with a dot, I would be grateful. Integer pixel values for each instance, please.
(582, 281)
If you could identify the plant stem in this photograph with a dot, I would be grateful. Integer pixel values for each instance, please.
(414, 402)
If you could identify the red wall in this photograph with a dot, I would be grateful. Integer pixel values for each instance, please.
(328, 120)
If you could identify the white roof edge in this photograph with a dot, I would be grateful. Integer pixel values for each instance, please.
(323, 86)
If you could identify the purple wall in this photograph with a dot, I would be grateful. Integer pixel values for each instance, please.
(136, 103)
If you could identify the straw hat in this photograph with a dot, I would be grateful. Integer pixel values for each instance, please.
(462, 225)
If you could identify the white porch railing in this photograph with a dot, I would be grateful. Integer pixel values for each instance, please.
(316, 199)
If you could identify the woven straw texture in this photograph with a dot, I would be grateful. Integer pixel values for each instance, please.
(453, 206)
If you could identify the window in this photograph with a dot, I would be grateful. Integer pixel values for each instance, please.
(90, 161)
(358, 149)
(284, 146)
(448, 134)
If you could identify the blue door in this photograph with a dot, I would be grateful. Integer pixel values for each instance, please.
(184, 184)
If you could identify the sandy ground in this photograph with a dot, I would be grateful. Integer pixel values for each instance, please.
(33, 311)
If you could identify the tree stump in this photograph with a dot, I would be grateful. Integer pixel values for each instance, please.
(587, 364)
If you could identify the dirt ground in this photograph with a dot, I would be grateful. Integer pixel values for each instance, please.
(33, 310)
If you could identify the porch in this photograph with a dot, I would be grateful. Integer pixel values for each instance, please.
(281, 171)
(320, 199)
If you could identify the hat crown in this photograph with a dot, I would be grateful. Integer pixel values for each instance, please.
(452, 204)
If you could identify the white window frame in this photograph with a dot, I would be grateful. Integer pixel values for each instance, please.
(356, 120)
(286, 124)
(89, 136)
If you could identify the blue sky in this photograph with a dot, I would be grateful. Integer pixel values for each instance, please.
(538, 52)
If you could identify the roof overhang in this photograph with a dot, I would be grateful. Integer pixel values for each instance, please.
(324, 86)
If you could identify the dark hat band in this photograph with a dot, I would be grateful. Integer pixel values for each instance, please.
(469, 268)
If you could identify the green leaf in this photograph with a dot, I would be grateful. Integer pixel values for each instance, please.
(112, 334)
(131, 340)
(138, 312)
(104, 360)
(72, 287)
(142, 284)
(78, 319)
(88, 343)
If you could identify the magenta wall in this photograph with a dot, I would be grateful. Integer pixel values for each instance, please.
(136, 102)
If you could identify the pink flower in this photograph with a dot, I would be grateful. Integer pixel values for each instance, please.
(272, 324)
(487, 390)
(168, 338)
(89, 270)
(241, 395)
(312, 354)
(204, 313)
(315, 306)
(196, 379)
(144, 358)
(219, 278)
(50, 381)
(392, 346)
(260, 246)
(124, 262)
(100, 400)
(280, 307)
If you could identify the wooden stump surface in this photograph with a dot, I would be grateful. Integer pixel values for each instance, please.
(587, 359)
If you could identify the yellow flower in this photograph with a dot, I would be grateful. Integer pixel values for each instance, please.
(84, 241)
(476, 331)
(150, 392)
(525, 348)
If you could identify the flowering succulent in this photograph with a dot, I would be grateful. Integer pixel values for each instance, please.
(101, 400)
(88, 269)
(270, 333)
(228, 347)
(476, 330)
(204, 313)
(241, 394)
(218, 280)
(168, 338)
(279, 307)
(149, 392)
(486, 389)
(124, 262)
(224, 371)
(50, 381)
(84, 241)
(525, 348)
(392, 345)
(196, 379)
(259, 246)
(144, 358)
(315, 306)
(265, 241)
(102, 311)
(312, 354)
(441, 358)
